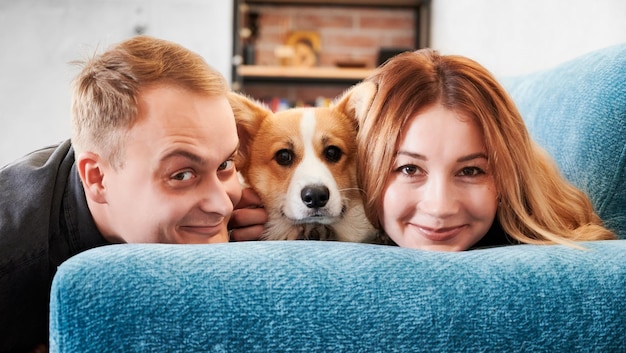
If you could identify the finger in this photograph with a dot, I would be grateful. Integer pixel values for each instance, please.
(246, 217)
(249, 199)
(246, 234)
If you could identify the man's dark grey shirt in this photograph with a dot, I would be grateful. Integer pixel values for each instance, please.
(44, 220)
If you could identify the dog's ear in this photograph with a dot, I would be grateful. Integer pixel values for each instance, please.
(249, 114)
(356, 101)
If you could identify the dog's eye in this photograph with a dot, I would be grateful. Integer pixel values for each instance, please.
(332, 154)
(284, 157)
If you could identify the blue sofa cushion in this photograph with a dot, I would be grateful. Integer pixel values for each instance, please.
(306, 296)
(577, 112)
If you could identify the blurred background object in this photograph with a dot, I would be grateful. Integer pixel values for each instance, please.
(510, 37)
(39, 39)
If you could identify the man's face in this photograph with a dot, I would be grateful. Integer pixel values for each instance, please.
(178, 182)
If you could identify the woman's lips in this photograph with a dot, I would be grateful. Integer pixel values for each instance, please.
(439, 234)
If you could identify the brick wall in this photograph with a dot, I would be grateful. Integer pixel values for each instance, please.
(346, 33)
(353, 34)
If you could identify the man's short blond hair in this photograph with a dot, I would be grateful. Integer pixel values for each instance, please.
(104, 103)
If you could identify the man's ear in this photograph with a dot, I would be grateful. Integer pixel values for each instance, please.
(356, 101)
(249, 114)
(91, 172)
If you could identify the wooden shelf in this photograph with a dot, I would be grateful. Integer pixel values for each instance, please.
(293, 82)
(256, 73)
(382, 3)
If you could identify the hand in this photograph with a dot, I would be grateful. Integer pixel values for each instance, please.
(249, 217)
(40, 348)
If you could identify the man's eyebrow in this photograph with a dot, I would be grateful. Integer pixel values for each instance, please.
(236, 150)
(192, 156)
(185, 154)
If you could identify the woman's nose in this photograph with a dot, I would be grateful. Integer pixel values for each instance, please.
(439, 198)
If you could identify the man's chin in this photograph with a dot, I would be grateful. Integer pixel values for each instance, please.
(191, 236)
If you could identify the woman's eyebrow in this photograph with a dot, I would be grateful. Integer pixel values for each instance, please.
(470, 157)
(411, 154)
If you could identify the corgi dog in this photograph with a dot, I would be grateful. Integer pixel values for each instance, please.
(302, 164)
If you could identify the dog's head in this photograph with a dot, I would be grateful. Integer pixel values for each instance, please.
(301, 161)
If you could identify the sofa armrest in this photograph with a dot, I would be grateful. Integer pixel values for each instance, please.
(311, 296)
(577, 112)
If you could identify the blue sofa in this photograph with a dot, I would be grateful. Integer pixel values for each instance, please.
(306, 296)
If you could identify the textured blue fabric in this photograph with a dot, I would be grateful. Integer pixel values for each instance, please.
(577, 112)
(308, 296)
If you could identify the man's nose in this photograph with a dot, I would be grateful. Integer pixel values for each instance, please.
(216, 196)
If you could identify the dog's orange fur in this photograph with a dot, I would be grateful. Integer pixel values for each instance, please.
(263, 134)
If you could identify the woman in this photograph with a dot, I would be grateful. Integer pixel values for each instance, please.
(460, 170)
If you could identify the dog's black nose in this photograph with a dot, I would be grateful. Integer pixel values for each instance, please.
(315, 196)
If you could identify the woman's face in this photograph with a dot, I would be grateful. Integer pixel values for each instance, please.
(441, 194)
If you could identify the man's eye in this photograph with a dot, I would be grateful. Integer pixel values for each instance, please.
(229, 164)
(183, 176)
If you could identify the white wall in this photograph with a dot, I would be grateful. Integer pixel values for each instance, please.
(512, 37)
(39, 39)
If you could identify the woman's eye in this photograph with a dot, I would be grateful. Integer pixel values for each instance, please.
(471, 171)
(226, 165)
(183, 176)
(408, 169)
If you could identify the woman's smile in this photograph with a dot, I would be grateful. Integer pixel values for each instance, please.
(439, 234)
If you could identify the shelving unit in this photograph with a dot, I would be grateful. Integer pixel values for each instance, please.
(401, 3)
(292, 74)
(253, 79)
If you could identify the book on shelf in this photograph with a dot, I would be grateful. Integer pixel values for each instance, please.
(277, 104)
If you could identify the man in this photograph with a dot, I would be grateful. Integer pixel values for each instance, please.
(150, 160)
